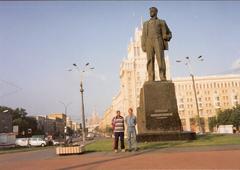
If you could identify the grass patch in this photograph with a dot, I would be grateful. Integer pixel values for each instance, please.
(203, 140)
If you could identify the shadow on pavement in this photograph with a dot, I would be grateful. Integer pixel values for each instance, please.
(108, 160)
(154, 148)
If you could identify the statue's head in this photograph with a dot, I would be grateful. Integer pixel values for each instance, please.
(153, 11)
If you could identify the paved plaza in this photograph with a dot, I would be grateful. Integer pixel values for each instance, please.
(224, 157)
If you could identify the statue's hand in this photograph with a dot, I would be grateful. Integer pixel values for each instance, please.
(144, 49)
(167, 37)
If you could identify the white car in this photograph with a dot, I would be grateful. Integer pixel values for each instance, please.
(21, 142)
(37, 142)
(55, 143)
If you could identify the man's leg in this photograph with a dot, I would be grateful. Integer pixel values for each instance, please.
(158, 46)
(116, 136)
(134, 136)
(122, 139)
(129, 139)
(150, 61)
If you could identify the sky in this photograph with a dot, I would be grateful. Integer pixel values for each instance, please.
(40, 40)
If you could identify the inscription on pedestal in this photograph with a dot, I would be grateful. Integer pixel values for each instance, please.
(161, 114)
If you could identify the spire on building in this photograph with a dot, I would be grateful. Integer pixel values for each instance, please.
(141, 23)
(131, 40)
(136, 29)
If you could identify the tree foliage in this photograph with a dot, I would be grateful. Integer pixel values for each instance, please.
(20, 118)
(226, 117)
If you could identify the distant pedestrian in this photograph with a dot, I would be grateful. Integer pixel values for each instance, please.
(118, 129)
(131, 122)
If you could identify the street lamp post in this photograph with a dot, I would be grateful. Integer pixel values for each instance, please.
(5, 111)
(65, 109)
(83, 113)
(84, 70)
(65, 112)
(196, 101)
(187, 63)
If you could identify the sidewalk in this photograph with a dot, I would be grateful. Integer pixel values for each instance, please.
(219, 157)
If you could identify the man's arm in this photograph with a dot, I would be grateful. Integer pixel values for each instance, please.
(113, 123)
(126, 119)
(135, 120)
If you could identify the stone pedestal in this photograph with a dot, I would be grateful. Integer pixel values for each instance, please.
(157, 113)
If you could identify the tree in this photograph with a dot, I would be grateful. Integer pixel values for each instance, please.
(235, 116)
(20, 118)
(212, 122)
(226, 117)
(109, 129)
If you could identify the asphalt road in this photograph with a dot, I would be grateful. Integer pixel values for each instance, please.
(42, 154)
(224, 157)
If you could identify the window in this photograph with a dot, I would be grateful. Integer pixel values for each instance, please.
(138, 51)
(181, 106)
(135, 52)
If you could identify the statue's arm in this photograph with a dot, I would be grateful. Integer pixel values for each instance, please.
(143, 38)
(168, 33)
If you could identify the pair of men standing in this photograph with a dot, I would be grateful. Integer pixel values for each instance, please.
(119, 128)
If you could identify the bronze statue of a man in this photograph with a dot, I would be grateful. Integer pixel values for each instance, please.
(155, 37)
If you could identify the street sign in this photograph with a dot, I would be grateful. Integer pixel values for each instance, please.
(15, 129)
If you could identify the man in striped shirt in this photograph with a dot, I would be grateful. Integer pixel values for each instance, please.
(118, 129)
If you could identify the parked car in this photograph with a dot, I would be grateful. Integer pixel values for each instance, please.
(37, 142)
(90, 136)
(22, 142)
(55, 143)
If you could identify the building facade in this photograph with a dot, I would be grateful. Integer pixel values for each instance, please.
(107, 118)
(69, 122)
(76, 126)
(93, 121)
(214, 93)
(54, 124)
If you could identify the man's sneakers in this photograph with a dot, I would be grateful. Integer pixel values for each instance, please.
(123, 150)
(136, 149)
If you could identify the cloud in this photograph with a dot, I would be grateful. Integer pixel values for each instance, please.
(101, 77)
(236, 64)
(98, 76)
